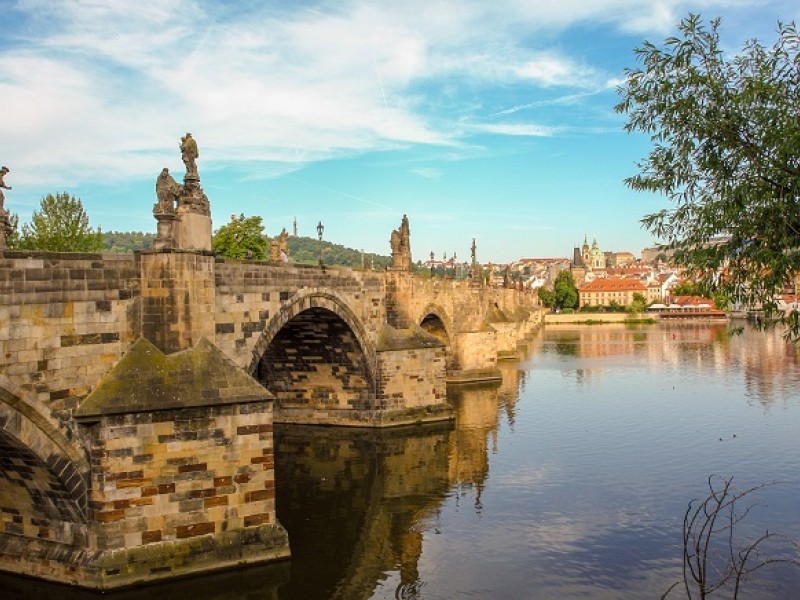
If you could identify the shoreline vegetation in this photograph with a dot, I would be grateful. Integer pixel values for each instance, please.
(619, 318)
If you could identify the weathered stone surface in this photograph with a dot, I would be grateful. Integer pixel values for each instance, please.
(175, 452)
(146, 379)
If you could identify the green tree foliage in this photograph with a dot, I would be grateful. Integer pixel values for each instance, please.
(121, 242)
(241, 238)
(726, 152)
(547, 297)
(687, 288)
(565, 291)
(638, 304)
(60, 225)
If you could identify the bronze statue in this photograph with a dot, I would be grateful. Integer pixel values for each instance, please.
(167, 192)
(3, 171)
(189, 153)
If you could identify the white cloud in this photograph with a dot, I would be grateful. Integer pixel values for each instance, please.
(103, 90)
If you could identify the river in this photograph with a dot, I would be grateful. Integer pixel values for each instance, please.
(568, 480)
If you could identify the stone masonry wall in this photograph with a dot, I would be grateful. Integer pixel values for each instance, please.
(250, 295)
(161, 480)
(412, 378)
(178, 298)
(65, 319)
(315, 361)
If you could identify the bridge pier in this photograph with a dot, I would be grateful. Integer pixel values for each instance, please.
(183, 477)
(135, 442)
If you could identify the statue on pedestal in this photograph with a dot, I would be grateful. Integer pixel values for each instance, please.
(183, 211)
(283, 245)
(189, 153)
(5, 221)
(400, 242)
(167, 192)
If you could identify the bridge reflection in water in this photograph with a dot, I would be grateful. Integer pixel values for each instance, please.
(355, 503)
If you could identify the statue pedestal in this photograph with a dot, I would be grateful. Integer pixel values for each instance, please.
(193, 231)
(165, 233)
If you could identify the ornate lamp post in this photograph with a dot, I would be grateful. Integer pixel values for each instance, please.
(455, 259)
(320, 231)
(431, 264)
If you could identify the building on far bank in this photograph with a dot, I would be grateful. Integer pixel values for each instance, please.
(605, 291)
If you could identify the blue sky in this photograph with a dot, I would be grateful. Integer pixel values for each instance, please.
(487, 120)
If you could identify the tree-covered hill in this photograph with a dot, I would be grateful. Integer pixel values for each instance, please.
(306, 250)
(301, 250)
(121, 242)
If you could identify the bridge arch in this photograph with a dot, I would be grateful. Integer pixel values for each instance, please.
(43, 476)
(315, 352)
(435, 320)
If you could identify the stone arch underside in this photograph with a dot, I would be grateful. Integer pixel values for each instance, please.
(434, 320)
(43, 493)
(314, 355)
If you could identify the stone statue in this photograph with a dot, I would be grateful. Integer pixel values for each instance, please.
(167, 192)
(283, 243)
(3, 171)
(405, 236)
(395, 242)
(401, 246)
(5, 221)
(189, 154)
(183, 212)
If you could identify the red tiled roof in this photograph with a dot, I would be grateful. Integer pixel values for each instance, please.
(692, 301)
(610, 284)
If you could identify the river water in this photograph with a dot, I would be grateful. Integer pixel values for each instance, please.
(568, 480)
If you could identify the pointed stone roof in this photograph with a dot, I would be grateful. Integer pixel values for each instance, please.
(146, 379)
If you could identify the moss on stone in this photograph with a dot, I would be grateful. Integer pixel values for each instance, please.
(146, 379)
(406, 339)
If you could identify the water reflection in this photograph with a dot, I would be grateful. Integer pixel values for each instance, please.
(569, 479)
(354, 501)
(769, 364)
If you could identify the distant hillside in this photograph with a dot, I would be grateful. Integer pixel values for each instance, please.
(122, 242)
(301, 249)
(306, 250)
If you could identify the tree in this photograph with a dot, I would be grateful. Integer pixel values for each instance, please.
(726, 152)
(712, 558)
(547, 297)
(242, 235)
(127, 241)
(638, 304)
(687, 288)
(61, 225)
(565, 290)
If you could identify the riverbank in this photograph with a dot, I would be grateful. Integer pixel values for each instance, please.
(639, 319)
(598, 319)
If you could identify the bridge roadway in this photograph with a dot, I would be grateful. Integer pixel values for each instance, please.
(138, 392)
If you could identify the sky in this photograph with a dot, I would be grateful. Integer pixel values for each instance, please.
(485, 120)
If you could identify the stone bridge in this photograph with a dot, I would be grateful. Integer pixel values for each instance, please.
(138, 392)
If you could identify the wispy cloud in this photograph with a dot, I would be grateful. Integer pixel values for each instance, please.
(102, 90)
(523, 129)
(427, 172)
